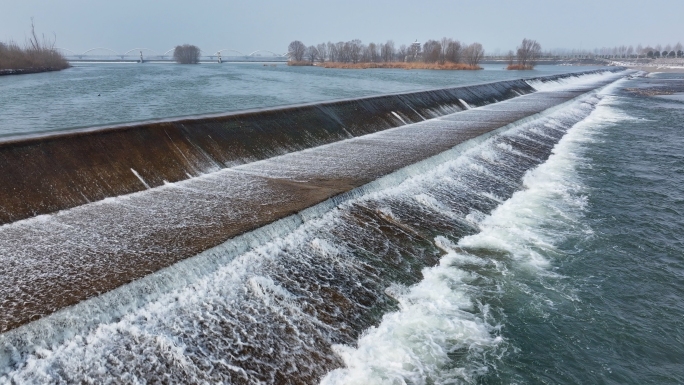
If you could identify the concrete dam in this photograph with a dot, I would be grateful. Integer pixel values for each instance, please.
(97, 224)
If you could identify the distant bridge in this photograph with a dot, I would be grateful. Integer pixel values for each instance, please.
(147, 54)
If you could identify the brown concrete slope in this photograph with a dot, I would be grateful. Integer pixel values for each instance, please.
(53, 172)
(57, 260)
(46, 174)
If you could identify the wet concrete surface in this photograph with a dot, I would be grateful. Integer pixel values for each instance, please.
(56, 260)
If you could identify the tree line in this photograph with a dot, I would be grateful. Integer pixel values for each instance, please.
(631, 52)
(445, 50)
(627, 52)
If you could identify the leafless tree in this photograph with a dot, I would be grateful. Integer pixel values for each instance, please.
(444, 46)
(355, 49)
(342, 51)
(332, 52)
(186, 54)
(510, 57)
(473, 53)
(387, 51)
(296, 50)
(528, 52)
(311, 54)
(431, 51)
(402, 52)
(322, 52)
(371, 53)
(453, 51)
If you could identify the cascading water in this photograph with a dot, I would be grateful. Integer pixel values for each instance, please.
(384, 288)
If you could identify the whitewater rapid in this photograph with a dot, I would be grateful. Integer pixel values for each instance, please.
(443, 315)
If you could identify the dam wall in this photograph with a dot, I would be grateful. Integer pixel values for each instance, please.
(59, 171)
(55, 261)
(126, 275)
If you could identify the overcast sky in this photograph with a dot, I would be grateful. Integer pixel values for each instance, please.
(271, 25)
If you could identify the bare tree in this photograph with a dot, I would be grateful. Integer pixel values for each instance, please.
(528, 52)
(296, 50)
(333, 52)
(355, 49)
(387, 51)
(444, 47)
(510, 57)
(311, 54)
(431, 51)
(453, 51)
(186, 54)
(371, 53)
(322, 52)
(343, 51)
(473, 54)
(402, 52)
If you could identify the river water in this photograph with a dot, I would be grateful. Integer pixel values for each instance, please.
(89, 95)
(552, 253)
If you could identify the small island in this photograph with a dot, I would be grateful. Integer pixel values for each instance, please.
(527, 54)
(38, 55)
(445, 54)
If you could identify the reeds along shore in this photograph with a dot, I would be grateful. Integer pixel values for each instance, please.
(23, 60)
(519, 67)
(391, 65)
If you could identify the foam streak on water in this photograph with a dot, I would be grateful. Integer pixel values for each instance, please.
(444, 316)
(292, 309)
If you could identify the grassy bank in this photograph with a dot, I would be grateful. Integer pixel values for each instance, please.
(392, 65)
(293, 63)
(38, 55)
(519, 67)
(15, 59)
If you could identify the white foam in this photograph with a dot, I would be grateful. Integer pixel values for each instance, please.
(437, 318)
(439, 315)
(571, 82)
(531, 222)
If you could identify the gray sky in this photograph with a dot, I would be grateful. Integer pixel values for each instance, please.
(270, 25)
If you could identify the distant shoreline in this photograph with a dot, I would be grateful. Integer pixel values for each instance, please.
(676, 70)
(392, 65)
(24, 71)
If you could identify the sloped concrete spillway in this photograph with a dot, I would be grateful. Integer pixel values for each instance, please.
(164, 192)
(52, 173)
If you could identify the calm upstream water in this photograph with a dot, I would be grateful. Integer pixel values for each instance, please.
(550, 254)
(89, 95)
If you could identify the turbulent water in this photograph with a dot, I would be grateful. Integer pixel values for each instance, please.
(551, 253)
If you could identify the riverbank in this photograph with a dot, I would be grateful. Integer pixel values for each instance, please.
(37, 56)
(24, 71)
